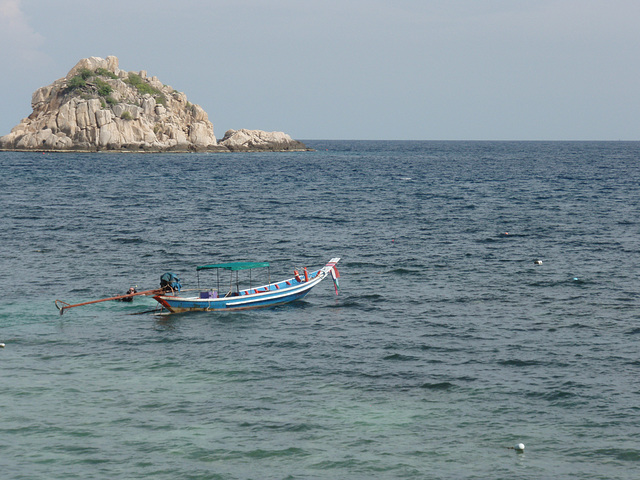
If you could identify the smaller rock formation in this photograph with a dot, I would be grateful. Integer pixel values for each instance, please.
(250, 140)
(97, 106)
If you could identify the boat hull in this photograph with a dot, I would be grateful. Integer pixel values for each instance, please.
(260, 297)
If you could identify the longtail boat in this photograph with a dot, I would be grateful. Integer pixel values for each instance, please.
(171, 296)
(236, 298)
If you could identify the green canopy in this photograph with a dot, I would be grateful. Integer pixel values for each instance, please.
(234, 266)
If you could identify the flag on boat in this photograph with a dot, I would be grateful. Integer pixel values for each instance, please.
(335, 275)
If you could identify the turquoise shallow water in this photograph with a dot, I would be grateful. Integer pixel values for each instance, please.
(445, 346)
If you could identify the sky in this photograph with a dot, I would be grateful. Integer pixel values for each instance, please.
(352, 69)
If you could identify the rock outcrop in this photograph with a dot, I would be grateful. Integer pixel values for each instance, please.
(97, 106)
(249, 140)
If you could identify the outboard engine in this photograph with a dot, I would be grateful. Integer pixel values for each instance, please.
(170, 281)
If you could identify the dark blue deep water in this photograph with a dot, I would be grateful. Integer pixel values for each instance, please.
(446, 345)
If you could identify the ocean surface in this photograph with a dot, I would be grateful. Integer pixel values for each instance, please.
(446, 345)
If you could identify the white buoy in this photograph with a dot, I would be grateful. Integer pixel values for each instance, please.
(1, 345)
(519, 447)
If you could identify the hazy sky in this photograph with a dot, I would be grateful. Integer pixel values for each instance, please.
(352, 69)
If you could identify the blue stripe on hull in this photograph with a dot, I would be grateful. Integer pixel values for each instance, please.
(178, 305)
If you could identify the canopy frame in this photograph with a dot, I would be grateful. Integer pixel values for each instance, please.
(234, 267)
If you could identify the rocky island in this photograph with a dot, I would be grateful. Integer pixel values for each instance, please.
(98, 107)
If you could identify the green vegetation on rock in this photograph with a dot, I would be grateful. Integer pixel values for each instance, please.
(143, 87)
(89, 84)
(85, 73)
(86, 82)
(76, 83)
(103, 72)
(104, 89)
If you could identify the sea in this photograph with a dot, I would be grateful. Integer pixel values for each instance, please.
(488, 296)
